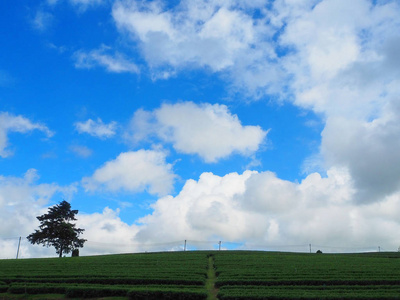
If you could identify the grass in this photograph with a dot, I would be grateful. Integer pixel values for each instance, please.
(205, 275)
(212, 291)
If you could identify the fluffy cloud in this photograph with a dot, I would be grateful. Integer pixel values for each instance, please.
(344, 68)
(115, 63)
(12, 123)
(21, 200)
(209, 131)
(336, 58)
(369, 149)
(106, 233)
(143, 170)
(263, 210)
(97, 128)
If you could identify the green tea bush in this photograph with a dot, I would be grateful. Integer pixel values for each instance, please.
(166, 295)
(94, 292)
(3, 287)
(23, 288)
(307, 292)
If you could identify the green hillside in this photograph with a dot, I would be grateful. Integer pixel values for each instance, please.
(204, 275)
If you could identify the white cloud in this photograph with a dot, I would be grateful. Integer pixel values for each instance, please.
(216, 35)
(106, 233)
(143, 170)
(21, 200)
(97, 128)
(336, 58)
(12, 123)
(261, 209)
(209, 131)
(344, 67)
(369, 149)
(116, 63)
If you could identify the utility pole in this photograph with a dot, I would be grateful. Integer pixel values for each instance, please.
(310, 248)
(184, 248)
(19, 243)
(219, 246)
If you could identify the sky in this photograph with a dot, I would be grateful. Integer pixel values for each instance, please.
(262, 124)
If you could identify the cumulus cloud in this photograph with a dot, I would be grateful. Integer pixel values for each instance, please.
(344, 69)
(336, 58)
(369, 149)
(97, 128)
(261, 209)
(12, 123)
(115, 63)
(209, 131)
(106, 233)
(21, 200)
(143, 170)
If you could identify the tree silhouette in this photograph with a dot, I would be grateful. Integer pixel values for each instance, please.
(56, 229)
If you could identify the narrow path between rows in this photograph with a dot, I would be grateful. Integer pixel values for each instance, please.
(211, 278)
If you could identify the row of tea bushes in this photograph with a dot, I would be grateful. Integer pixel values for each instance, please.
(309, 292)
(96, 291)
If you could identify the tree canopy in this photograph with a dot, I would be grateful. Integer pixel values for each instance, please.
(56, 229)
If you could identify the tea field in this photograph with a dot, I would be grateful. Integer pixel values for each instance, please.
(228, 275)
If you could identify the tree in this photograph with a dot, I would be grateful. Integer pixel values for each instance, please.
(56, 229)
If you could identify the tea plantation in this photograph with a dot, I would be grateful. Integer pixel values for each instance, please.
(227, 275)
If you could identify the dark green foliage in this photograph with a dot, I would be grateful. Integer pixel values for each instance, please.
(263, 275)
(110, 275)
(26, 288)
(309, 292)
(3, 287)
(94, 292)
(56, 230)
(152, 294)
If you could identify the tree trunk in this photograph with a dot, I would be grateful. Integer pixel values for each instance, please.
(61, 251)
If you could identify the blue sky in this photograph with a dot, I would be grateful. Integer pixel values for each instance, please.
(252, 122)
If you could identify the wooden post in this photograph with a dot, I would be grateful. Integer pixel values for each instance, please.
(19, 244)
